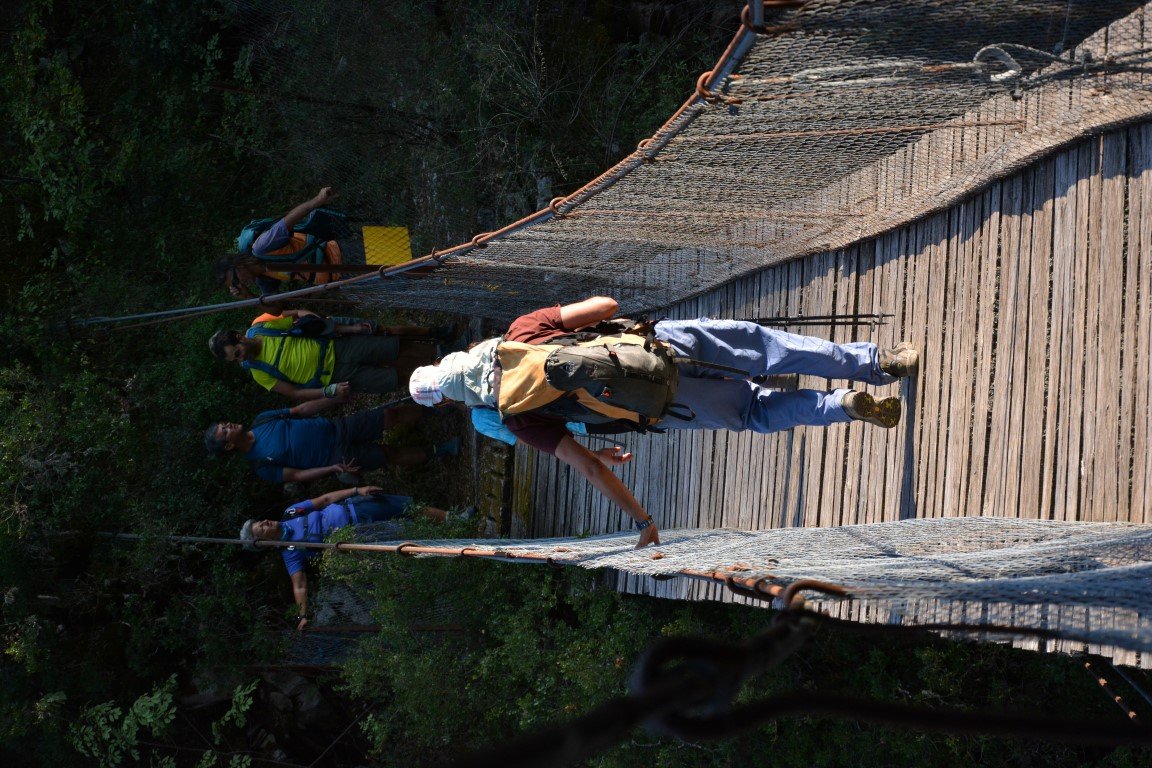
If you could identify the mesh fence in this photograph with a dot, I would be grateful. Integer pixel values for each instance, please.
(828, 123)
(1087, 581)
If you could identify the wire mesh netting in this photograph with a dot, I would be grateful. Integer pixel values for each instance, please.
(803, 144)
(832, 122)
(1087, 581)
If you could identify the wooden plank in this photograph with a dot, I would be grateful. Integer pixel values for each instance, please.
(1090, 502)
(1064, 326)
(957, 404)
(934, 261)
(1088, 162)
(832, 493)
(1140, 232)
(1034, 495)
(792, 499)
(984, 351)
(865, 460)
(1005, 296)
(918, 275)
(1016, 453)
(1112, 426)
(821, 277)
(889, 295)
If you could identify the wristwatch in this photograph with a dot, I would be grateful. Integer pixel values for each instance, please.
(642, 524)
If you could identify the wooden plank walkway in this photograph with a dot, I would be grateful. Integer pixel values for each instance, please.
(1029, 301)
(1030, 305)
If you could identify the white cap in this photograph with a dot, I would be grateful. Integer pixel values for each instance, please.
(247, 536)
(424, 386)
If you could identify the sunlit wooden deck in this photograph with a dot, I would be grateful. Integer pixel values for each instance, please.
(1030, 303)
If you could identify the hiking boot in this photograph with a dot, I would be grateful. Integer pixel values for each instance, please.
(902, 361)
(861, 406)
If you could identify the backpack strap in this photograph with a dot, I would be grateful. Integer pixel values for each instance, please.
(714, 366)
(311, 253)
(273, 368)
(687, 414)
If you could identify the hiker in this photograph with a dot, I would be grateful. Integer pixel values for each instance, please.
(267, 248)
(315, 519)
(679, 374)
(294, 445)
(304, 356)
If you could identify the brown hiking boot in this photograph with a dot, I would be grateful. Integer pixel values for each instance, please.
(902, 361)
(863, 407)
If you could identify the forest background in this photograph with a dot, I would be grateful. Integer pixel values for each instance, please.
(137, 138)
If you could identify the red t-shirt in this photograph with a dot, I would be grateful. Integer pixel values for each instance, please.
(541, 432)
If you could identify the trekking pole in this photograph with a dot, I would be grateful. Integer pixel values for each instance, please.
(870, 319)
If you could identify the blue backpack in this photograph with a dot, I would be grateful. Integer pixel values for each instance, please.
(321, 226)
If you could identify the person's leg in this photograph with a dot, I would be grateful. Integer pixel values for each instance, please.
(356, 351)
(758, 350)
(362, 426)
(403, 415)
(371, 455)
(379, 507)
(713, 403)
(737, 405)
(374, 380)
(775, 411)
(369, 425)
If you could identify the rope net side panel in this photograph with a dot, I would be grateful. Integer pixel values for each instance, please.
(1085, 580)
(864, 116)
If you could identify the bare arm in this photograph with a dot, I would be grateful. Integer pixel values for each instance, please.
(313, 407)
(297, 394)
(300, 595)
(593, 467)
(335, 497)
(587, 312)
(296, 215)
(297, 313)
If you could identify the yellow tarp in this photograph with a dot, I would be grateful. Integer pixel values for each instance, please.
(386, 245)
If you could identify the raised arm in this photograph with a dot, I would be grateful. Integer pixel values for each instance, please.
(587, 312)
(294, 475)
(297, 313)
(297, 214)
(313, 407)
(300, 595)
(335, 497)
(594, 468)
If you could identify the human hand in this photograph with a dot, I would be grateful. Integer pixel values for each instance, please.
(613, 455)
(367, 489)
(302, 623)
(324, 195)
(351, 467)
(343, 392)
(650, 535)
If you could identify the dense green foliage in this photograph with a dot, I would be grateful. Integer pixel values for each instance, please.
(552, 644)
(137, 138)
